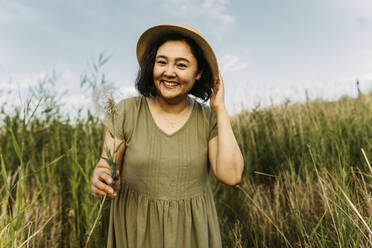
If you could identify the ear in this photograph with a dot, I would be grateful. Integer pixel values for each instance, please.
(198, 76)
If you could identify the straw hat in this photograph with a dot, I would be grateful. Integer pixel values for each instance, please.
(153, 33)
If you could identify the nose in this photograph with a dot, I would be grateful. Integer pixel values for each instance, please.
(169, 72)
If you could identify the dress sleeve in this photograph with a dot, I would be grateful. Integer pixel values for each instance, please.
(213, 130)
(114, 122)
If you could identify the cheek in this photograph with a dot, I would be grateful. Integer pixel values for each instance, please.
(193, 77)
(156, 72)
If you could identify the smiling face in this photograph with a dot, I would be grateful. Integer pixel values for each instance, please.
(175, 70)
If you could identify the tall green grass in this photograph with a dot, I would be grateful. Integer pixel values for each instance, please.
(306, 183)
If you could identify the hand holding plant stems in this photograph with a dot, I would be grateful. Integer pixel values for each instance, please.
(113, 158)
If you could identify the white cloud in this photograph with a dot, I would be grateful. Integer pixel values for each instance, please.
(95, 8)
(11, 82)
(13, 11)
(214, 12)
(217, 9)
(128, 91)
(359, 7)
(232, 63)
(247, 93)
(363, 23)
(365, 81)
(68, 80)
(356, 7)
(365, 77)
(77, 100)
(16, 88)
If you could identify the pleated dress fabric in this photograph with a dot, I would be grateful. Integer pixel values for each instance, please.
(165, 199)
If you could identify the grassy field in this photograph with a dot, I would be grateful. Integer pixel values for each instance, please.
(306, 182)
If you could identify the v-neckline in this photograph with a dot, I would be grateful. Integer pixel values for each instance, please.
(161, 130)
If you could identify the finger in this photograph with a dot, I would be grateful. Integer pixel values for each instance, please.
(103, 164)
(117, 173)
(220, 80)
(104, 187)
(97, 192)
(105, 177)
(101, 170)
(117, 185)
(100, 194)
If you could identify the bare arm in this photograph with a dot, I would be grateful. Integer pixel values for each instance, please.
(101, 178)
(224, 153)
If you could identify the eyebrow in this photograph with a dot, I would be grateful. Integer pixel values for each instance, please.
(177, 59)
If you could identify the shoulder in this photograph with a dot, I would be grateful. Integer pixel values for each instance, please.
(204, 110)
(207, 122)
(129, 103)
(128, 109)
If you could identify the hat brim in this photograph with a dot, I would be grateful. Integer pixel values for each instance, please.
(155, 32)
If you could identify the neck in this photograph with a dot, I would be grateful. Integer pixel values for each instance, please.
(172, 106)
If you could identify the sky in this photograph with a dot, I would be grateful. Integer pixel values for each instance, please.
(269, 51)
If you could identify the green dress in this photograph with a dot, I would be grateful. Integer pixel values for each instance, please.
(165, 199)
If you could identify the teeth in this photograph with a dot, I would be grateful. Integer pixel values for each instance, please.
(170, 83)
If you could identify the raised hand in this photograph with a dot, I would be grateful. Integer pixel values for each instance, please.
(217, 99)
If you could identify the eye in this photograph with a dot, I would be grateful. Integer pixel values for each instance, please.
(161, 62)
(182, 65)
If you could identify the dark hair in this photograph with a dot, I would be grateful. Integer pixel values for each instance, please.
(145, 81)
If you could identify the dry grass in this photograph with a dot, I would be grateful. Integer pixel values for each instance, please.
(306, 181)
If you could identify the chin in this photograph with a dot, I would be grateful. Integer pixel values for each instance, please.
(167, 94)
(172, 96)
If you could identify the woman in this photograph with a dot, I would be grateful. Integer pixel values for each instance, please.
(170, 143)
